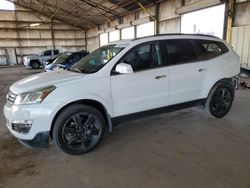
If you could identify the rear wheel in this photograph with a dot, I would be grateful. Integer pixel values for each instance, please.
(35, 64)
(78, 129)
(220, 100)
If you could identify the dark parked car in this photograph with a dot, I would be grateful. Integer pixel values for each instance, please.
(65, 60)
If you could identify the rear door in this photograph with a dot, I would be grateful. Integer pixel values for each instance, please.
(147, 87)
(187, 74)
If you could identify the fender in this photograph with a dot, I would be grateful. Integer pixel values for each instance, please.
(206, 91)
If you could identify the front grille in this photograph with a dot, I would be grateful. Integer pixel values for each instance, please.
(11, 97)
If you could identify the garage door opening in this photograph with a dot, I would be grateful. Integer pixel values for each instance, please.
(6, 5)
(206, 21)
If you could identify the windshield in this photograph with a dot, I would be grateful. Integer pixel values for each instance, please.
(96, 60)
(41, 54)
(61, 58)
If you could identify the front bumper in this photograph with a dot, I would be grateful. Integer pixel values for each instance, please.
(41, 140)
(41, 116)
(26, 62)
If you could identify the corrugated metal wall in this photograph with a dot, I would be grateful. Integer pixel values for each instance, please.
(18, 38)
(241, 44)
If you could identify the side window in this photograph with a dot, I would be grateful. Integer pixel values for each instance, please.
(207, 49)
(77, 57)
(56, 52)
(180, 51)
(143, 57)
(46, 53)
(70, 59)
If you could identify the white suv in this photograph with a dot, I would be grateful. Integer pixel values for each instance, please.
(122, 80)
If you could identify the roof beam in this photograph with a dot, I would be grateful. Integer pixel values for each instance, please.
(81, 18)
(44, 14)
(97, 6)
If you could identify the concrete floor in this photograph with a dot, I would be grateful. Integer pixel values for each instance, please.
(179, 149)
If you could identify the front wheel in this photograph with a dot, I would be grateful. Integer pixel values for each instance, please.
(220, 100)
(34, 64)
(78, 129)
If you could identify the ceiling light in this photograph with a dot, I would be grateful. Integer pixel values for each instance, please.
(34, 24)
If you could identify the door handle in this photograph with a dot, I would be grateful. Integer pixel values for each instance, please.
(160, 77)
(202, 70)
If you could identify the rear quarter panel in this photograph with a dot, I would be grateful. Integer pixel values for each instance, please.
(224, 66)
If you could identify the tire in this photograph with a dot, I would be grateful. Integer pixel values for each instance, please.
(220, 100)
(35, 64)
(78, 129)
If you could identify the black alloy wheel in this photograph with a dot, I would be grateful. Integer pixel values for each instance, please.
(221, 101)
(81, 131)
(78, 129)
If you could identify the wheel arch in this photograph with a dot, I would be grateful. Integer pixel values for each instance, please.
(227, 81)
(35, 60)
(89, 102)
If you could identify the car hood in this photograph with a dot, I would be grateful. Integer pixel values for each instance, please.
(43, 80)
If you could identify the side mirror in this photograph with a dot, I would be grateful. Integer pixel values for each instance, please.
(60, 66)
(124, 68)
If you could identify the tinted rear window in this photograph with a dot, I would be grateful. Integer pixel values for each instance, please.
(180, 51)
(56, 52)
(207, 49)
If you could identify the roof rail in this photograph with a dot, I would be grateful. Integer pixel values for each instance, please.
(170, 34)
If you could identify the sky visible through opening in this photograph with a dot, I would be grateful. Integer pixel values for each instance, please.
(206, 21)
(6, 5)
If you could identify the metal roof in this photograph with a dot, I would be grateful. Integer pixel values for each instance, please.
(85, 14)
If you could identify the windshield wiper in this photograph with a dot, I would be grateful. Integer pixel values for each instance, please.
(75, 70)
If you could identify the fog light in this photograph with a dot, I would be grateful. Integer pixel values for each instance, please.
(22, 127)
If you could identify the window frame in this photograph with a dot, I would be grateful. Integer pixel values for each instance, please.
(156, 42)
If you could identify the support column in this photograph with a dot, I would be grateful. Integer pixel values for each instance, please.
(230, 14)
(153, 17)
(52, 33)
(18, 39)
(86, 40)
(157, 16)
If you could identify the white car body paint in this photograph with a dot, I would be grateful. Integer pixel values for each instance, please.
(121, 94)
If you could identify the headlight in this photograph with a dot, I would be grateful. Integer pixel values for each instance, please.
(36, 96)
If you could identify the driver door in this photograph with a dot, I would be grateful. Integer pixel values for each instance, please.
(147, 87)
(46, 55)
